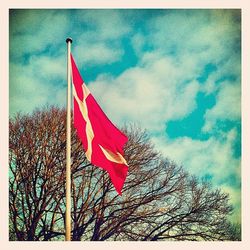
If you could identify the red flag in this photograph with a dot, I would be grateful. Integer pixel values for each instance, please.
(102, 141)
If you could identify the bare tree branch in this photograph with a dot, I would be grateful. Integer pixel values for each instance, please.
(160, 200)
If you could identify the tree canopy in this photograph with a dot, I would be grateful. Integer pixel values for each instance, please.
(160, 201)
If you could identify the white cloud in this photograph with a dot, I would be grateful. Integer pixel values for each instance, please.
(103, 24)
(48, 67)
(206, 35)
(138, 41)
(30, 90)
(197, 38)
(213, 157)
(35, 31)
(37, 83)
(100, 43)
(151, 93)
(235, 199)
(210, 86)
(227, 106)
(97, 54)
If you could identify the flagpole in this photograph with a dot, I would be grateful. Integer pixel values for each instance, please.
(68, 149)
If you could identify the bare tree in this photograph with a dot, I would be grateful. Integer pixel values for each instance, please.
(160, 200)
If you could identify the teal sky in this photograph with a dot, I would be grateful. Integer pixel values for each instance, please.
(177, 73)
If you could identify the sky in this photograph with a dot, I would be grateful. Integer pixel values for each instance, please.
(176, 73)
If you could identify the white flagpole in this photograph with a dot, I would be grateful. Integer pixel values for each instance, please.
(68, 149)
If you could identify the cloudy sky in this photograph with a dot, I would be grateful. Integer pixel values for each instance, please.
(177, 73)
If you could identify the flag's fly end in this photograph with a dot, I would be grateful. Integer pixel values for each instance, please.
(102, 141)
(69, 39)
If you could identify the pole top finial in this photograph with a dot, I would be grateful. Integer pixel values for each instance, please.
(69, 39)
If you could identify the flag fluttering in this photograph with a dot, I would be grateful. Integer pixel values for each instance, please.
(102, 141)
